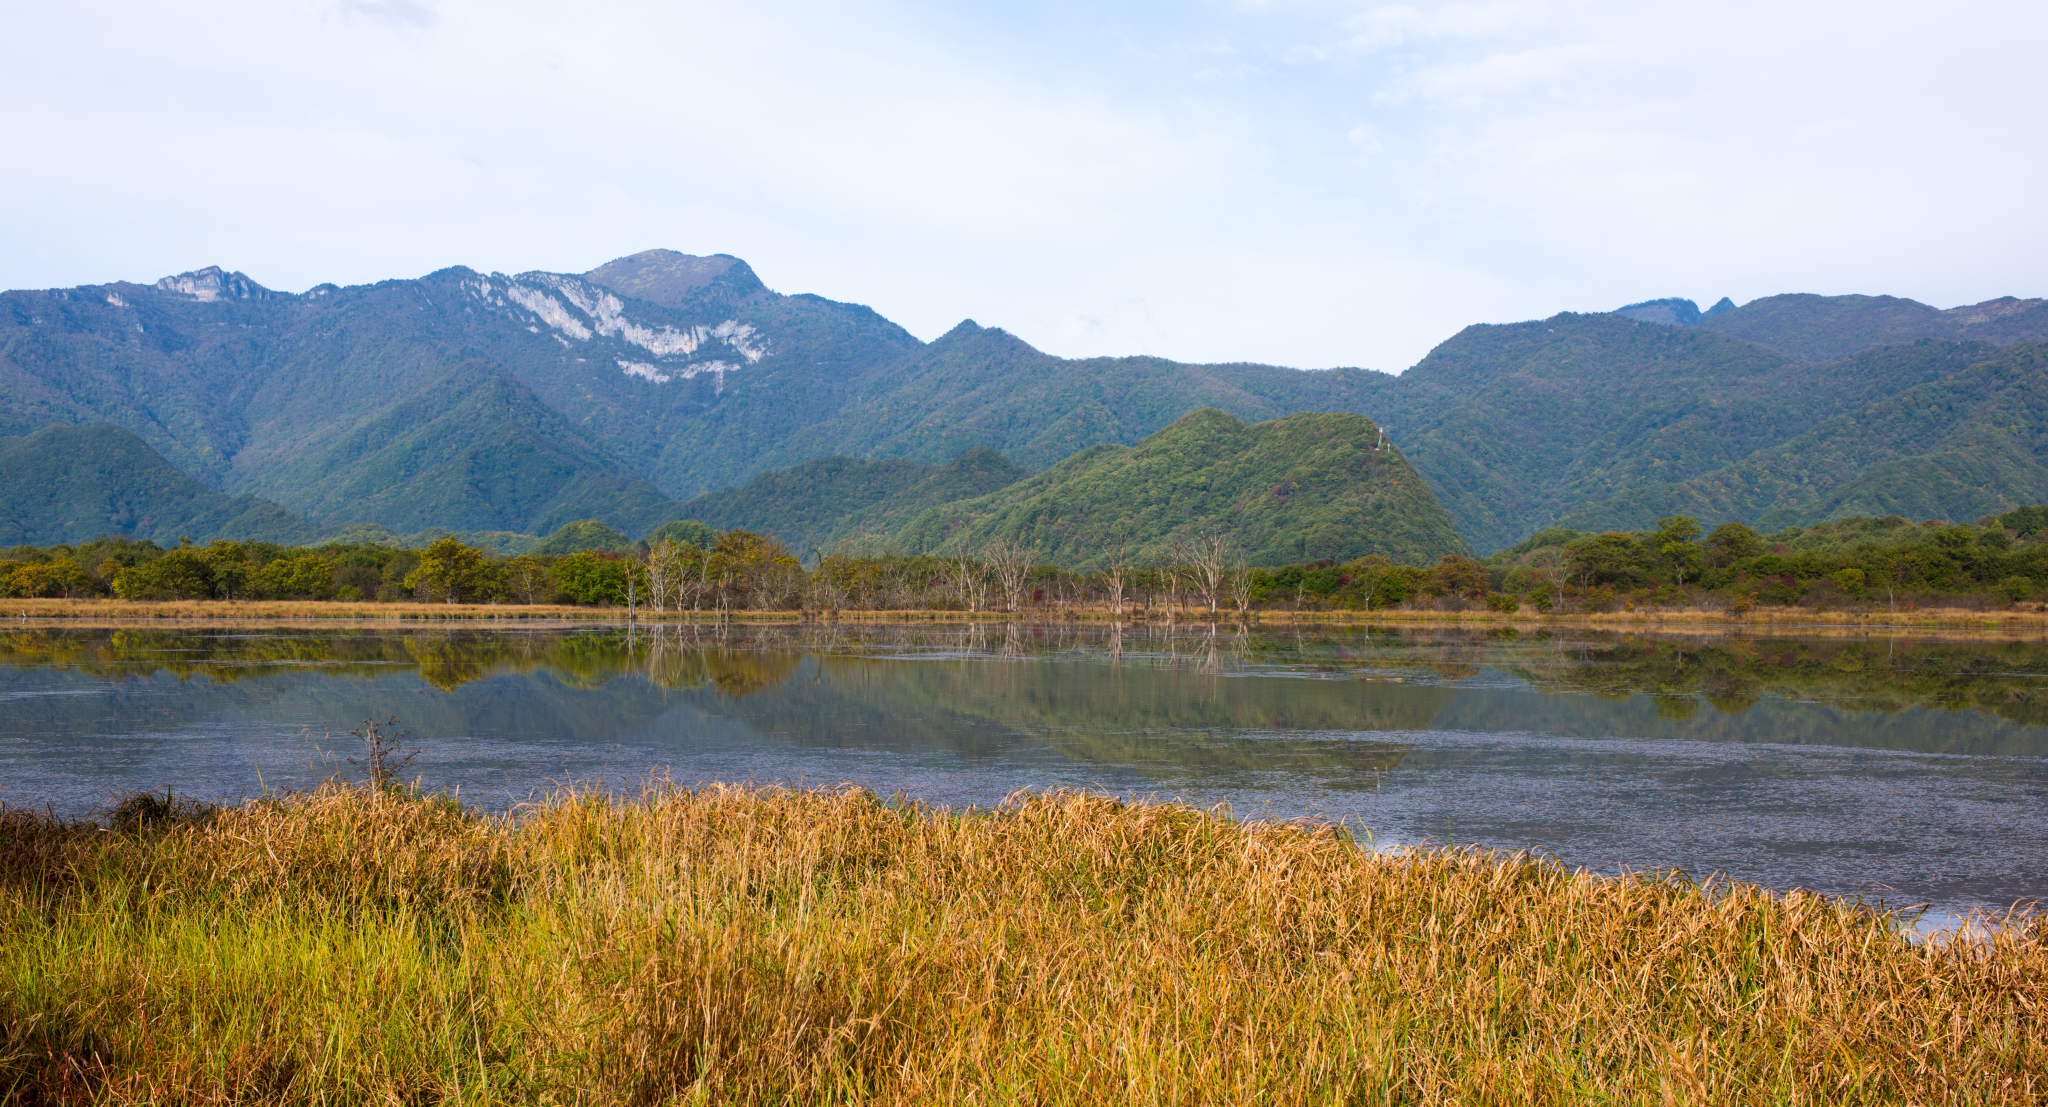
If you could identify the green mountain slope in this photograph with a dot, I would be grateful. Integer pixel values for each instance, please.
(228, 380)
(1826, 328)
(981, 386)
(1305, 486)
(584, 534)
(666, 376)
(1927, 430)
(469, 449)
(70, 484)
(817, 504)
(1516, 425)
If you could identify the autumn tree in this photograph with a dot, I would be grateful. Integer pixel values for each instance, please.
(1458, 575)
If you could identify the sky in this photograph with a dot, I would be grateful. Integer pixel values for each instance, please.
(1310, 184)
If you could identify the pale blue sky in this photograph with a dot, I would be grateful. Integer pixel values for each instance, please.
(1312, 184)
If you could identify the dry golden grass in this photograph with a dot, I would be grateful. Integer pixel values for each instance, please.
(763, 946)
(334, 610)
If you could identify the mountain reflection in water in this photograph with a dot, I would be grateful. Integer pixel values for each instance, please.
(1912, 768)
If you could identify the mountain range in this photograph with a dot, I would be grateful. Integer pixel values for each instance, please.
(663, 386)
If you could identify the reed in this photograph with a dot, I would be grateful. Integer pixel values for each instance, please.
(756, 945)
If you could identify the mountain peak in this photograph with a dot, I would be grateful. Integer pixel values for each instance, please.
(672, 278)
(212, 283)
(1671, 311)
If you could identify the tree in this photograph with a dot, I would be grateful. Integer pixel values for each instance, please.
(231, 569)
(1011, 562)
(1457, 575)
(1602, 559)
(307, 575)
(1241, 586)
(1118, 568)
(528, 577)
(1676, 547)
(178, 575)
(1732, 542)
(591, 577)
(970, 578)
(1208, 556)
(451, 572)
(62, 577)
(664, 573)
(1368, 572)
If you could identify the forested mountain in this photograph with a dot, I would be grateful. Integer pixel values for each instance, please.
(1605, 421)
(1297, 488)
(487, 402)
(72, 484)
(468, 447)
(1929, 430)
(816, 505)
(981, 386)
(242, 387)
(1825, 328)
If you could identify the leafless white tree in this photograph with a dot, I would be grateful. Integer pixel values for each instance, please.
(1115, 573)
(1010, 560)
(636, 584)
(1241, 585)
(664, 572)
(970, 578)
(1208, 556)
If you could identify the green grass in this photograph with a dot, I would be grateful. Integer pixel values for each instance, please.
(767, 946)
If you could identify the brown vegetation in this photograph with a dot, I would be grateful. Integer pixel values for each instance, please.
(359, 945)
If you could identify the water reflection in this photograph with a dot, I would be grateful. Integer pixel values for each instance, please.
(1916, 764)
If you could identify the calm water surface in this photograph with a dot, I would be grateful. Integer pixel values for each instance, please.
(1909, 769)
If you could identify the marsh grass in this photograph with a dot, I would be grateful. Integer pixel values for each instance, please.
(744, 945)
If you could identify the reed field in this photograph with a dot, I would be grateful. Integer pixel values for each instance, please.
(751, 945)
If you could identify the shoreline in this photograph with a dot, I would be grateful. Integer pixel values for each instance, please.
(311, 612)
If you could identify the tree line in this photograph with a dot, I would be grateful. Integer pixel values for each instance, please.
(1889, 561)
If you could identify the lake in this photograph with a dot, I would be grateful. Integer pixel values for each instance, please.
(1908, 768)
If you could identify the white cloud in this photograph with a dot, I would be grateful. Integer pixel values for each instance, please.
(396, 13)
(1305, 182)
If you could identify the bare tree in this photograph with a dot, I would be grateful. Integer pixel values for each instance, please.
(1208, 556)
(1241, 586)
(1011, 562)
(664, 574)
(971, 579)
(384, 752)
(1114, 574)
(634, 584)
(1170, 578)
(527, 576)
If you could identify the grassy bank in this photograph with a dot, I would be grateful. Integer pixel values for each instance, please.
(732, 945)
(341, 611)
